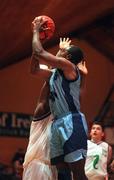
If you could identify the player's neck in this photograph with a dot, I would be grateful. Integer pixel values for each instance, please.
(96, 141)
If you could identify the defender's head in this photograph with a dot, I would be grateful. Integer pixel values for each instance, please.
(75, 54)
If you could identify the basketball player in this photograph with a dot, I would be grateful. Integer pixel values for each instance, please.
(69, 128)
(37, 162)
(99, 154)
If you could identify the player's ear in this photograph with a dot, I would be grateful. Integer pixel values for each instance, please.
(103, 134)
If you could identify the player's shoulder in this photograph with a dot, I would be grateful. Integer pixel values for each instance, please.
(104, 145)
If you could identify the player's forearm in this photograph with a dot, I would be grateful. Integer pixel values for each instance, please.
(58, 53)
(43, 55)
(36, 44)
(37, 48)
(39, 52)
(34, 66)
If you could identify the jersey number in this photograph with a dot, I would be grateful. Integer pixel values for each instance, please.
(95, 162)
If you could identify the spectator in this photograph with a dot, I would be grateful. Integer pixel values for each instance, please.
(99, 154)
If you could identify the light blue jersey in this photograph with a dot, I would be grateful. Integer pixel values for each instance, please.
(64, 94)
(69, 128)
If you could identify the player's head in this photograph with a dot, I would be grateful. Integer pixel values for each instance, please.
(75, 54)
(99, 124)
(97, 131)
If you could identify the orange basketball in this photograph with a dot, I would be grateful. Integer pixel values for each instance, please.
(47, 29)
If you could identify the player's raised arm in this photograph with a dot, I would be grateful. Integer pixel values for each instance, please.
(52, 60)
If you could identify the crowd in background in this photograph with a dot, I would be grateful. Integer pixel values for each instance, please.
(14, 170)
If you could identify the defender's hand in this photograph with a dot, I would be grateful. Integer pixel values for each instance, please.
(82, 67)
(64, 43)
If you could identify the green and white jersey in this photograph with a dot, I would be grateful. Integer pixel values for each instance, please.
(96, 161)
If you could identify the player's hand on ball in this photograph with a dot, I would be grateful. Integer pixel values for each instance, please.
(45, 26)
(38, 23)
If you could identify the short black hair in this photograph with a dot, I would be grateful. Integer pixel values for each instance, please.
(99, 123)
(75, 54)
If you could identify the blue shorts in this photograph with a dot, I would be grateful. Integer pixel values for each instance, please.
(68, 138)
